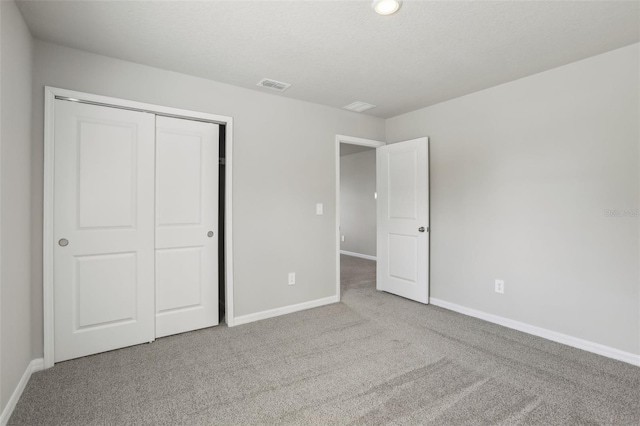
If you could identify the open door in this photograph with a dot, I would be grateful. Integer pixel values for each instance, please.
(403, 219)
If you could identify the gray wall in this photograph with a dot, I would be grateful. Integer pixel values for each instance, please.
(283, 164)
(521, 177)
(15, 204)
(357, 205)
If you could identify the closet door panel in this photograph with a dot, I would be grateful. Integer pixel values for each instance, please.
(186, 225)
(103, 229)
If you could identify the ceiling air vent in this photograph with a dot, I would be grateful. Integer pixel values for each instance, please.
(273, 84)
(359, 106)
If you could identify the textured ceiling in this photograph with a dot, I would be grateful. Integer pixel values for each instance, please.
(337, 52)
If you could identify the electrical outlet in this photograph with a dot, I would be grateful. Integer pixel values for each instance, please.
(292, 278)
(319, 209)
(500, 286)
(342, 238)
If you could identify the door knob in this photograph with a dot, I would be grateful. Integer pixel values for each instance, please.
(421, 229)
(63, 242)
(210, 234)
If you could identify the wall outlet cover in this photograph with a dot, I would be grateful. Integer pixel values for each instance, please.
(499, 286)
(292, 278)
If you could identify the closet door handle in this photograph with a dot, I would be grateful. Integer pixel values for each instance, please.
(210, 234)
(421, 229)
(63, 242)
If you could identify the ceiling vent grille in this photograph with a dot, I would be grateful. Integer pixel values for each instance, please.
(273, 84)
(359, 106)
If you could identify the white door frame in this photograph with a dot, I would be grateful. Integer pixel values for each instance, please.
(48, 238)
(353, 141)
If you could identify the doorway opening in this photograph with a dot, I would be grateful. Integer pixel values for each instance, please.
(402, 217)
(356, 217)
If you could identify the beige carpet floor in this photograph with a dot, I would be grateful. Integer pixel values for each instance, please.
(372, 359)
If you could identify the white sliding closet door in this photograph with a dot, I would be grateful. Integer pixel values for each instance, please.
(186, 225)
(103, 229)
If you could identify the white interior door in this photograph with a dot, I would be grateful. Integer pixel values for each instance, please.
(403, 219)
(103, 229)
(186, 225)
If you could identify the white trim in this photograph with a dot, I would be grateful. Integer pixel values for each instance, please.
(47, 234)
(354, 141)
(586, 345)
(285, 310)
(359, 141)
(47, 228)
(33, 367)
(354, 254)
(125, 103)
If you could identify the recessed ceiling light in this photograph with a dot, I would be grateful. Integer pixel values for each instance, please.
(386, 7)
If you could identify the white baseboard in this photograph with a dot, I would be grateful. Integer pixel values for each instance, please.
(565, 339)
(34, 366)
(354, 254)
(284, 310)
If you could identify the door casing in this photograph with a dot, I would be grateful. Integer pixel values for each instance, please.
(51, 93)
